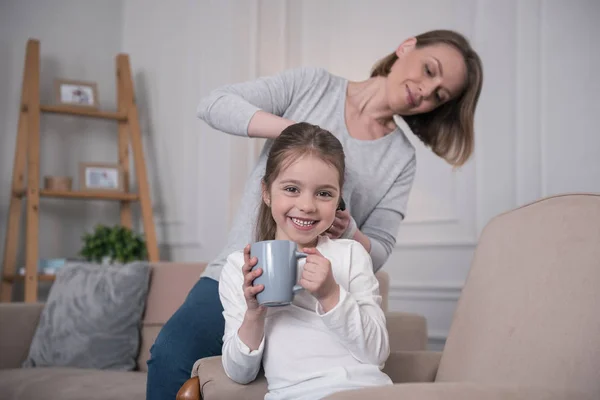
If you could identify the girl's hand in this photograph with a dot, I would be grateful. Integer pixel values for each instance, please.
(318, 279)
(250, 291)
(341, 222)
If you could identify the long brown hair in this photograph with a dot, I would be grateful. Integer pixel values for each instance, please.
(448, 130)
(294, 142)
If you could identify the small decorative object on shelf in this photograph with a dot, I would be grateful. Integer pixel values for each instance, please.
(49, 266)
(101, 177)
(58, 183)
(76, 93)
(116, 244)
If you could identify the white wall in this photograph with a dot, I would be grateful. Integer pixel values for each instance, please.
(79, 40)
(536, 128)
(536, 131)
(180, 51)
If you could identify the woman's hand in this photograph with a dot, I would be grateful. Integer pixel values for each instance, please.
(318, 279)
(340, 224)
(251, 290)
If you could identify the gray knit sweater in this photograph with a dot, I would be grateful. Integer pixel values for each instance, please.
(379, 173)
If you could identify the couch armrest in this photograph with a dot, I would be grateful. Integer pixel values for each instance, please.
(18, 322)
(457, 391)
(215, 384)
(407, 331)
(412, 366)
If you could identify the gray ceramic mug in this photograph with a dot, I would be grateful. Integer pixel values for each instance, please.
(279, 262)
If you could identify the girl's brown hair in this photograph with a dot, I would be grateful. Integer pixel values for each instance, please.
(294, 142)
(448, 129)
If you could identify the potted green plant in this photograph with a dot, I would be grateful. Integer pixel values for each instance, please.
(116, 244)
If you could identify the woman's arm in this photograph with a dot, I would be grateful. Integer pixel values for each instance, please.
(358, 320)
(267, 126)
(254, 108)
(381, 227)
(243, 341)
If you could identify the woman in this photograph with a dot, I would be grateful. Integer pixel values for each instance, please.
(432, 80)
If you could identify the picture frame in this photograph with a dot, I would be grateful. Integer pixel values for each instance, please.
(76, 93)
(101, 177)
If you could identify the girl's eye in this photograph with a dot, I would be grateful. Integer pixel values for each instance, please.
(291, 189)
(325, 194)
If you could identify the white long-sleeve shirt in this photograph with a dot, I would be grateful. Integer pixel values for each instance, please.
(308, 354)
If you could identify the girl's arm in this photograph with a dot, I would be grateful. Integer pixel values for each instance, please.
(255, 108)
(358, 320)
(243, 341)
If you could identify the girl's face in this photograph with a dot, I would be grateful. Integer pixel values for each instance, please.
(424, 78)
(303, 200)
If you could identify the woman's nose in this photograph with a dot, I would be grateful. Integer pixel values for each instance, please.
(427, 88)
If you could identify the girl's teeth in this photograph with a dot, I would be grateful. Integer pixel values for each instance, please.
(302, 222)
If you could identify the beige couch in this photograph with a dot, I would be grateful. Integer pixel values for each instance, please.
(170, 284)
(527, 325)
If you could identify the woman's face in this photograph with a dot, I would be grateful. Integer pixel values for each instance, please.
(424, 78)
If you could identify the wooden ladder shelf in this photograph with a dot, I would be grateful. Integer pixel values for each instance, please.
(26, 172)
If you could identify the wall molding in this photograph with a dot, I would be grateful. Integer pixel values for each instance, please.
(436, 340)
(437, 336)
(543, 100)
(431, 221)
(529, 103)
(443, 291)
(470, 243)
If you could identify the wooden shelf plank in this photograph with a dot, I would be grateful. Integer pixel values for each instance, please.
(88, 194)
(84, 112)
(41, 278)
(81, 194)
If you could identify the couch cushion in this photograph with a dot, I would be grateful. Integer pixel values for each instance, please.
(92, 317)
(54, 383)
(170, 283)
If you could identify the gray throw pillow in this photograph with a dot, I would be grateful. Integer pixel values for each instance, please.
(92, 317)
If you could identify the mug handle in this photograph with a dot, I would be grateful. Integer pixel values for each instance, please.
(299, 254)
(297, 288)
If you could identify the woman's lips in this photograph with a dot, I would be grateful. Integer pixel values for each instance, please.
(409, 97)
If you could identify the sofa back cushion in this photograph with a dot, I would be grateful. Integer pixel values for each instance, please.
(528, 314)
(170, 283)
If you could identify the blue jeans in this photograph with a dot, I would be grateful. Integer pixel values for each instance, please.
(195, 331)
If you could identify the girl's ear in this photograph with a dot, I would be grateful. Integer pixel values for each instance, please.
(265, 194)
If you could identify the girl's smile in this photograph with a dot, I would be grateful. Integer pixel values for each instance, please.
(302, 223)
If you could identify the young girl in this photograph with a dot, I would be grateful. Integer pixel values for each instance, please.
(333, 337)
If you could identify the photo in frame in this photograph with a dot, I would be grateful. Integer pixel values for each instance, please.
(76, 93)
(101, 177)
